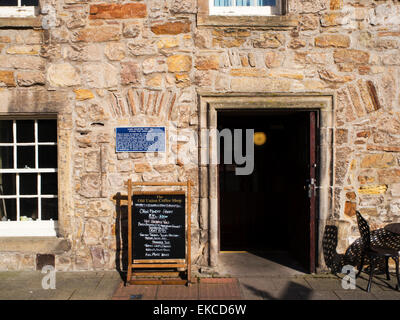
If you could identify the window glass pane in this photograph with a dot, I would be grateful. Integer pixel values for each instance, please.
(6, 131)
(8, 2)
(8, 209)
(50, 209)
(266, 2)
(29, 2)
(25, 131)
(28, 209)
(245, 3)
(26, 157)
(7, 184)
(28, 183)
(6, 158)
(47, 130)
(49, 183)
(222, 3)
(47, 156)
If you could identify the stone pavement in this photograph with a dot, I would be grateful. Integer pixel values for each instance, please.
(16, 285)
(108, 285)
(316, 287)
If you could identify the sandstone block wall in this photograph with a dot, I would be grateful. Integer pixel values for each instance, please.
(131, 63)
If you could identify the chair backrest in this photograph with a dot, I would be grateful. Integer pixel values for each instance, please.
(363, 227)
(333, 260)
(329, 244)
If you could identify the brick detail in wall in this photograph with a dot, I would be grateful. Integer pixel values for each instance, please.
(363, 96)
(160, 104)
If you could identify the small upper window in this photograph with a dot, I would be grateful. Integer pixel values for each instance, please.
(245, 7)
(18, 8)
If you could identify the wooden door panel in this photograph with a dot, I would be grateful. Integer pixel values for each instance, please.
(312, 192)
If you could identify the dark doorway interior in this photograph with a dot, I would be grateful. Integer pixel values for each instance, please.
(269, 210)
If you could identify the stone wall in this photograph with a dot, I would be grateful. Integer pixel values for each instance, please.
(130, 63)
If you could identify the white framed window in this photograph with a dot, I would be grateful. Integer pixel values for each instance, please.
(19, 8)
(28, 177)
(245, 7)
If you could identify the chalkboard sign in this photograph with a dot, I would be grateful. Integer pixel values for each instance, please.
(159, 226)
(159, 234)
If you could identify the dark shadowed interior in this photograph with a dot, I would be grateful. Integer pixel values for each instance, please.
(267, 211)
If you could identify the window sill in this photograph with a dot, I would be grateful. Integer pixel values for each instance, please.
(49, 245)
(28, 229)
(266, 22)
(28, 22)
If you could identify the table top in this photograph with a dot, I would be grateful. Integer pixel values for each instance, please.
(393, 227)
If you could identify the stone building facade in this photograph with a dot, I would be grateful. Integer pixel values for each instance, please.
(98, 65)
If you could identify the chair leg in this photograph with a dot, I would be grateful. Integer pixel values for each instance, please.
(371, 274)
(361, 265)
(387, 268)
(396, 260)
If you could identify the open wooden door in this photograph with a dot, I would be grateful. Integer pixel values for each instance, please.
(312, 191)
(303, 192)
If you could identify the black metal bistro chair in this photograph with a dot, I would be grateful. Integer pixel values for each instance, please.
(374, 252)
(333, 260)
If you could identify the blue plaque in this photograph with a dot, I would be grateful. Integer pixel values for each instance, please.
(140, 139)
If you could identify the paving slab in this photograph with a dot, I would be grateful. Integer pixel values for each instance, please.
(18, 275)
(256, 288)
(362, 284)
(77, 283)
(319, 295)
(223, 298)
(141, 291)
(387, 295)
(16, 294)
(108, 286)
(21, 284)
(222, 290)
(238, 264)
(300, 283)
(324, 283)
(51, 294)
(90, 294)
(289, 291)
(169, 292)
(113, 275)
(383, 284)
(354, 295)
(378, 284)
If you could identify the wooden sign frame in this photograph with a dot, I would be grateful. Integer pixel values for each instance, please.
(159, 263)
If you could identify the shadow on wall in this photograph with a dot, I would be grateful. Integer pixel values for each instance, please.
(335, 262)
(121, 235)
